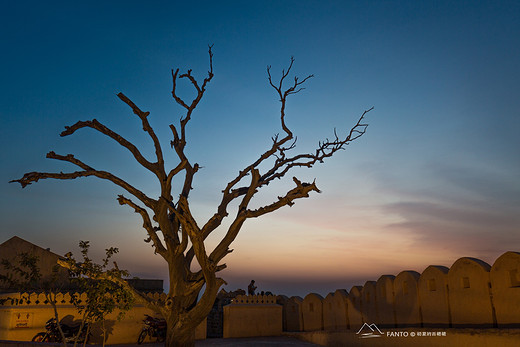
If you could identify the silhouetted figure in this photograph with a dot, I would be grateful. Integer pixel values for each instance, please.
(251, 288)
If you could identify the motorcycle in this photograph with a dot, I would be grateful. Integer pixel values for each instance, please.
(53, 333)
(153, 327)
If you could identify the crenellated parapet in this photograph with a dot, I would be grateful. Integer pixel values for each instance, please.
(469, 294)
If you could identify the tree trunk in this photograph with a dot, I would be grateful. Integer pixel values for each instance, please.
(180, 329)
(179, 336)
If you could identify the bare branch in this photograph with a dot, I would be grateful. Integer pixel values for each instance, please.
(175, 97)
(222, 248)
(325, 150)
(146, 127)
(283, 94)
(301, 190)
(200, 91)
(95, 124)
(186, 218)
(179, 139)
(31, 177)
(184, 242)
(147, 224)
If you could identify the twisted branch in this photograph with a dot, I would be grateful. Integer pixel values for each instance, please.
(31, 177)
(146, 127)
(147, 225)
(96, 125)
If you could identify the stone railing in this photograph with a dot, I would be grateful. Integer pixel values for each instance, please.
(254, 299)
(30, 299)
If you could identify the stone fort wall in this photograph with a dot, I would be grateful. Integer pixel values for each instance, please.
(469, 294)
(23, 315)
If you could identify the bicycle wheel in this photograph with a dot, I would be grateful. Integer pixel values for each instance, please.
(142, 336)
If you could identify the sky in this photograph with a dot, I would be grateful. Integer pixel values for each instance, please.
(435, 178)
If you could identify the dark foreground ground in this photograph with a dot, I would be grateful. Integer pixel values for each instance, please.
(248, 342)
(243, 342)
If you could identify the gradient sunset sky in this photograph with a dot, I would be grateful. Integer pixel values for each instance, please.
(435, 178)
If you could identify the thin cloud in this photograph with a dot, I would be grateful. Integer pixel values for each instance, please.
(462, 210)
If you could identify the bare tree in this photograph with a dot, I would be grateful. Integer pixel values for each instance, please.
(172, 229)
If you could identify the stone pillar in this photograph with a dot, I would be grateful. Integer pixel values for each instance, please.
(406, 299)
(355, 308)
(341, 309)
(505, 284)
(369, 293)
(312, 309)
(328, 313)
(469, 293)
(385, 301)
(433, 296)
(293, 314)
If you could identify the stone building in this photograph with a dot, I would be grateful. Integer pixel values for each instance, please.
(11, 248)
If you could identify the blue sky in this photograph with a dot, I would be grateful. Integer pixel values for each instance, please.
(434, 179)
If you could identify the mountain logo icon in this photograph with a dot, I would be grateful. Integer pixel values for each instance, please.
(368, 331)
